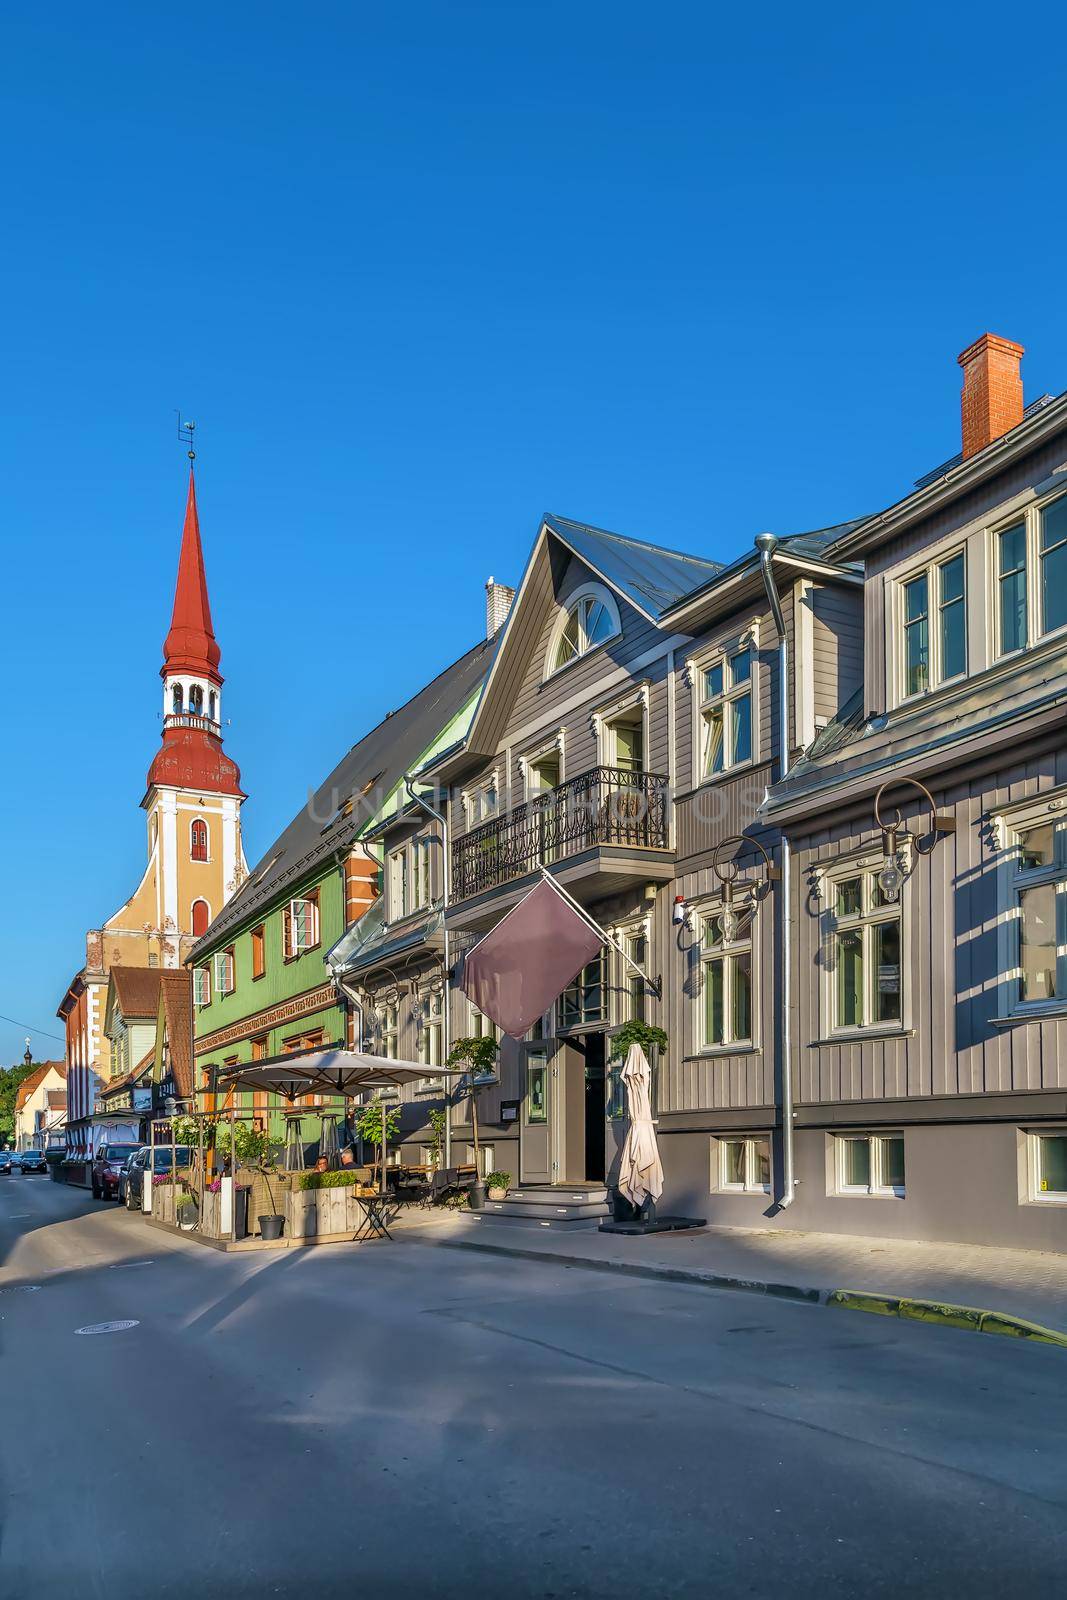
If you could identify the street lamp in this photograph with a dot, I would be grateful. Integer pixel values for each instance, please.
(891, 873)
(727, 873)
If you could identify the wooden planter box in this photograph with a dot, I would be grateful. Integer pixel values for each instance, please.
(320, 1213)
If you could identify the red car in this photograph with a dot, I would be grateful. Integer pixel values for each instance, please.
(110, 1160)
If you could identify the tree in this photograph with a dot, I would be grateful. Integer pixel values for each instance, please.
(478, 1055)
(369, 1119)
(10, 1078)
(251, 1147)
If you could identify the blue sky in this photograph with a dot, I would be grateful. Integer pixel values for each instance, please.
(420, 273)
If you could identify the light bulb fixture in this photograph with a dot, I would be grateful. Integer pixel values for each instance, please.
(891, 874)
(732, 913)
(728, 923)
(891, 878)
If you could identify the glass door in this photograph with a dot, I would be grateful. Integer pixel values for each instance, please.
(535, 1139)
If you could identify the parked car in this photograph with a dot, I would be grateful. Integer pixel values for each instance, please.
(107, 1169)
(133, 1175)
(6, 1159)
(33, 1161)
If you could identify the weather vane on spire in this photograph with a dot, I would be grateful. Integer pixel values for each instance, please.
(185, 434)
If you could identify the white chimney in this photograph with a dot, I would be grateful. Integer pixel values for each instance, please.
(498, 598)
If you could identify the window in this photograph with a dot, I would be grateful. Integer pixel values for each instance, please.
(1031, 565)
(198, 840)
(869, 1164)
(177, 701)
(482, 802)
(935, 626)
(482, 1028)
(259, 951)
(636, 947)
(741, 1164)
(201, 987)
(421, 879)
(1048, 1166)
(387, 1017)
(196, 700)
(1039, 894)
(864, 953)
(725, 723)
(432, 1036)
(300, 925)
(398, 885)
(726, 985)
(201, 918)
(536, 1107)
(224, 971)
(212, 706)
(585, 1000)
(590, 620)
(626, 744)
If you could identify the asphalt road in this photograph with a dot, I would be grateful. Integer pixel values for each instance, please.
(402, 1420)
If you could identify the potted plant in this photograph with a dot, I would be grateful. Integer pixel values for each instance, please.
(437, 1119)
(479, 1057)
(252, 1148)
(498, 1184)
(187, 1211)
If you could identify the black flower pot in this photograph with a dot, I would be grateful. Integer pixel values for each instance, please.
(271, 1227)
(476, 1196)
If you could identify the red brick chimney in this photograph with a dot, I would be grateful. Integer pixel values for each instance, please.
(992, 398)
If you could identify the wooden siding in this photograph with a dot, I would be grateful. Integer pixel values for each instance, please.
(837, 646)
(950, 966)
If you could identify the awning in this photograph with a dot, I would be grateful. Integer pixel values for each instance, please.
(331, 1071)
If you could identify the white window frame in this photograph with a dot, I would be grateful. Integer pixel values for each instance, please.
(721, 1184)
(931, 570)
(431, 1028)
(584, 1023)
(1035, 1194)
(831, 876)
(303, 913)
(201, 987)
(624, 984)
(225, 972)
(421, 872)
(877, 1188)
(387, 1027)
(1030, 518)
(532, 758)
(606, 718)
(1009, 824)
(727, 951)
(477, 808)
(589, 594)
(698, 666)
(398, 884)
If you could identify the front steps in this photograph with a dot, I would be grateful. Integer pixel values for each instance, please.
(564, 1207)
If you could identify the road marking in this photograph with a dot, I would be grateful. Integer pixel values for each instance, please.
(107, 1327)
(21, 1288)
(19, 1216)
(120, 1266)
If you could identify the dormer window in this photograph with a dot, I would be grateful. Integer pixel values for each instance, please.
(591, 618)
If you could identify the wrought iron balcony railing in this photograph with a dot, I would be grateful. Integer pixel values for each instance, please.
(605, 806)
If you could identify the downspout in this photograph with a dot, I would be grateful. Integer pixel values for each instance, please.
(766, 544)
(446, 891)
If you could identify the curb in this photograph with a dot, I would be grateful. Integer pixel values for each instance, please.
(944, 1313)
(973, 1318)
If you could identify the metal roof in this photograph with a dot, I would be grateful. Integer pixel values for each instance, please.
(325, 825)
(652, 577)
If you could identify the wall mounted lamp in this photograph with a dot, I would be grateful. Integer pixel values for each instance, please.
(891, 873)
(727, 872)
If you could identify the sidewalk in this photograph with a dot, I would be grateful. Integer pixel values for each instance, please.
(1017, 1284)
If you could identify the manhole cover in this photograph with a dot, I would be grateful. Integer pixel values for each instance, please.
(107, 1327)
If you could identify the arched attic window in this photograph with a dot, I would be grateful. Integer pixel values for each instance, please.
(196, 700)
(176, 700)
(591, 618)
(201, 918)
(198, 839)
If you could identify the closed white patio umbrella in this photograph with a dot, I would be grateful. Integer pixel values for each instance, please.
(640, 1171)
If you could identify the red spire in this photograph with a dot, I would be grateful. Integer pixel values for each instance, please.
(190, 645)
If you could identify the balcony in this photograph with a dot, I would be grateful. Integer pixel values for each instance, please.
(608, 821)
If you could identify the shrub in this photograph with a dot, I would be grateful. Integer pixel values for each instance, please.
(343, 1179)
(186, 1201)
(498, 1180)
(633, 1032)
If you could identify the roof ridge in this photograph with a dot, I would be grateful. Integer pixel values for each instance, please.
(628, 538)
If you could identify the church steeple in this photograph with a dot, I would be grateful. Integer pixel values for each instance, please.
(190, 645)
(191, 756)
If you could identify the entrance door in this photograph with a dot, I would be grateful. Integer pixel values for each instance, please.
(535, 1142)
(595, 1160)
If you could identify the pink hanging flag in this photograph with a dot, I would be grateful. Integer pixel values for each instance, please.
(515, 973)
